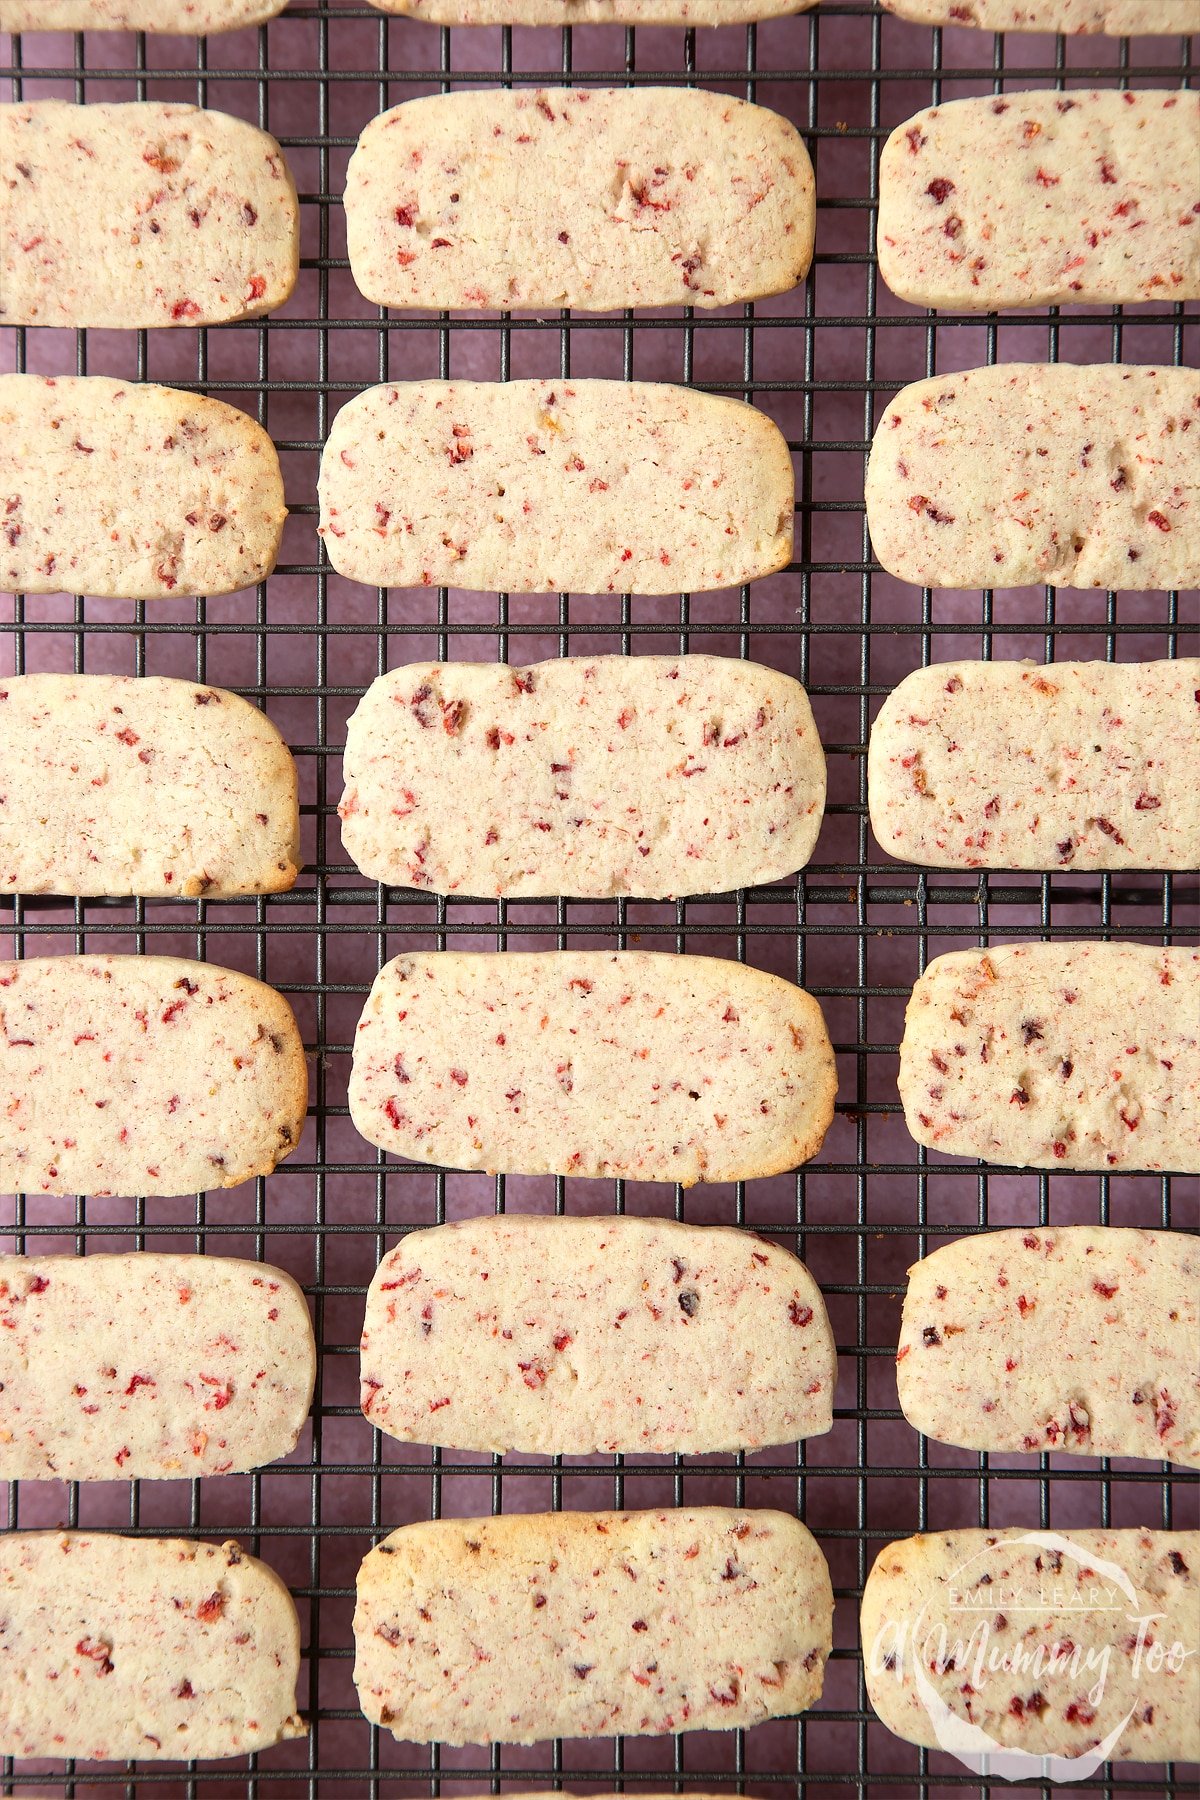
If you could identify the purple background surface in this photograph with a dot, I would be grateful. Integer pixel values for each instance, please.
(855, 929)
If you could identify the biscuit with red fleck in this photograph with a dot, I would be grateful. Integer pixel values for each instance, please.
(115, 1647)
(1057, 1056)
(636, 1623)
(141, 214)
(594, 12)
(560, 1336)
(1083, 1340)
(547, 486)
(143, 1075)
(591, 198)
(1072, 475)
(1043, 198)
(649, 775)
(1118, 18)
(141, 1366)
(187, 17)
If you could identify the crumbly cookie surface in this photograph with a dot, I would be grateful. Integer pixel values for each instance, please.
(125, 1367)
(156, 1648)
(1012, 765)
(591, 198)
(132, 491)
(141, 214)
(548, 486)
(638, 1623)
(1027, 473)
(1082, 1339)
(1056, 1635)
(113, 784)
(628, 1064)
(187, 17)
(1043, 198)
(1057, 1056)
(1115, 17)
(650, 776)
(594, 12)
(564, 1336)
(143, 1075)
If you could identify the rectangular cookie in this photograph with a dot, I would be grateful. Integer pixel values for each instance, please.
(628, 1064)
(592, 12)
(634, 1623)
(139, 1366)
(1118, 18)
(518, 198)
(143, 1075)
(1043, 198)
(187, 17)
(591, 776)
(132, 492)
(1057, 1056)
(1012, 765)
(1023, 473)
(565, 1336)
(550, 486)
(141, 214)
(1019, 1645)
(115, 784)
(155, 1648)
(1084, 1340)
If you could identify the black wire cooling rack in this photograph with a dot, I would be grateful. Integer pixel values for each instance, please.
(854, 928)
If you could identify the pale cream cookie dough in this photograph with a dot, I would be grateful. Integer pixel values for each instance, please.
(1057, 1056)
(1079, 476)
(131, 491)
(593, 198)
(155, 1648)
(594, 12)
(639, 1623)
(593, 776)
(564, 1336)
(1118, 18)
(1106, 1623)
(187, 17)
(1043, 198)
(141, 214)
(1083, 1339)
(1016, 765)
(548, 486)
(143, 1075)
(114, 784)
(631, 1064)
(141, 1366)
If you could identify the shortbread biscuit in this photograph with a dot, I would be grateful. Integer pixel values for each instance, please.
(143, 1366)
(187, 17)
(1012, 765)
(594, 12)
(115, 784)
(1057, 1056)
(564, 1336)
(548, 486)
(1084, 1340)
(1040, 198)
(132, 492)
(154, 1648)
(1073, 475)
(141, 214)
(523, 197)
(592, 776)
(630, 1064)
(582, 1624)
(1117, 18)
(143, 1075)
(1074, 1643)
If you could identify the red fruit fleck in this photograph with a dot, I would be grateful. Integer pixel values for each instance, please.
(799, 1315)
(96, 1651)
(953, 226)
(1045, 180)
(38, 1285)
(916, 137)
(1107, 173)
(137, 1381)
(185, 309)
(1024, 1306)
(1159, 519)
(211, 1609)
(404, 216)
(939, 189)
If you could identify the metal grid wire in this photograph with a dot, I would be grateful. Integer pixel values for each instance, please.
(853, 928)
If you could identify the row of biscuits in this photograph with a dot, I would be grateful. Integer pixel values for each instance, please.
(176, 216)
(1074, 476)
(1116, 17)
